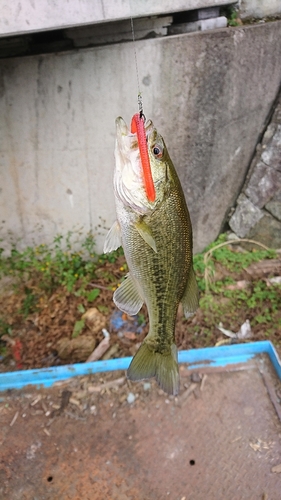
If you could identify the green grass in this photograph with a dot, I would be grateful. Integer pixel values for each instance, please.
(58, 264)
(259, 302)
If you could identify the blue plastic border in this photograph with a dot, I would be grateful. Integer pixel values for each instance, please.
(196, 358)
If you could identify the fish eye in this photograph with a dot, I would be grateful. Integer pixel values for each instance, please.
(157, 151)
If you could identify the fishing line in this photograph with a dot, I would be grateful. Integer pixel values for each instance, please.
(140, 105)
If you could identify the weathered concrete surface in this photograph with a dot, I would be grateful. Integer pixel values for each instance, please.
(258, 211)
(208, 94)
(259, 8)
(25, 17)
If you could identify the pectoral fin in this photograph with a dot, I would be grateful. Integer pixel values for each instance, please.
(127, 297)
(146, 233)
(190, 300)
(113, 238)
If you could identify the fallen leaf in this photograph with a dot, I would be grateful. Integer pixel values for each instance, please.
(259, 445)
(130, 335)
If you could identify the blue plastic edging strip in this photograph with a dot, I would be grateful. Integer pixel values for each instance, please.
(196, 358)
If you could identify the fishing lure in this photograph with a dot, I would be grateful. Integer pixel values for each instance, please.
(137, 126)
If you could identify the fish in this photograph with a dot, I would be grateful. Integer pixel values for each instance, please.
(156, 235)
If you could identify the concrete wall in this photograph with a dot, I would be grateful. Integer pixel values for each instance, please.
(259, 8)
(208, 93)
(23, 16)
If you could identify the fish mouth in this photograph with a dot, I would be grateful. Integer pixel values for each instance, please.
(122, 129)
(128, 178)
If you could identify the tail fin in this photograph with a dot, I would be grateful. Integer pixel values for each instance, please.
(164, 367)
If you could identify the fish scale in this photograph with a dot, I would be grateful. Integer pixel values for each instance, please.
(157, 241)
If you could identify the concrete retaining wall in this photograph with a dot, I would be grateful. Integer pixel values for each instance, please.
(208, 93)
(259, 8)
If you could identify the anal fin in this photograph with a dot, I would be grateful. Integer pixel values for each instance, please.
(127, 297)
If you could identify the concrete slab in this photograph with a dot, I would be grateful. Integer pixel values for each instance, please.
(26, 17)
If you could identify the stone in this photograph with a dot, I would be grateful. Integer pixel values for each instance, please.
(245, 216)
(272, 154)
(94, 320)
(274, 207)
(76, 350)
(131, 398)
(267, 231)
(263, 184)
(277, 196)
(146, 386)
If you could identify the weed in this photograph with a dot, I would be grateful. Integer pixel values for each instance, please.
(232, 15)
(58, 264)
(29, 303)
(5, 328)
(141, 319)
(78, 327)
(258, 302)
(92, 295)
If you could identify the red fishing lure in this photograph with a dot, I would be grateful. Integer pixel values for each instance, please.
(137, 126)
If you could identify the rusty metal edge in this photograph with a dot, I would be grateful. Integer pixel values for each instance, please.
(210, 357)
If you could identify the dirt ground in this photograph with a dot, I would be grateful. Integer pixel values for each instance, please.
(102, 437)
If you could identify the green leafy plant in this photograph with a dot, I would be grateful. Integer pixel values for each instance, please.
(92, 295)
(232, 15)
(222, 299)
(5, 328)
(78, 327)
(29, 302)
(68, 261)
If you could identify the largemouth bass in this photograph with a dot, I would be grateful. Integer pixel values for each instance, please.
(157, 240)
